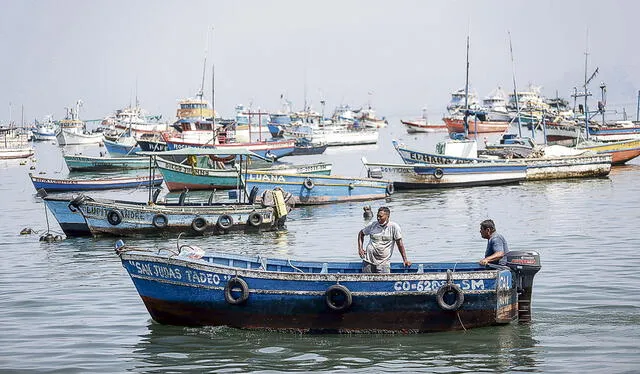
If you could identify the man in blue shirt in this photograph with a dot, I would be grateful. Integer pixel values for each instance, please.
(496, 244)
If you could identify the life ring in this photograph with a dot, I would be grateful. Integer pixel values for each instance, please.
(199, 224)
(338, 297)
(450, 288)
(390, 189)
(225, 221)
(114, 217)
(231, 286)
(438, 173)
(255, 219)
(308, 183)
(160, 221)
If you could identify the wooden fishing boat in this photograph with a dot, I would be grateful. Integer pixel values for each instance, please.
(187, 287)
(621, 151)
(422, 125)
(455, 124)
(551, 162)
(124, 146)
(14, 144)
(85, 216)
(92, 163)
(422, 176)
(216, 175)
(319, 189)
(57, 185)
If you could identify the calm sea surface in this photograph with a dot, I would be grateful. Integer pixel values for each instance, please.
(70, 306)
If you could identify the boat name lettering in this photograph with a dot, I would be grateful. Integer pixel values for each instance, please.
(267, 178)
(465, 284)
(201, 277)
(159, 271)
(504, 281)
(396, 170)
(183, 168)
(422, 157)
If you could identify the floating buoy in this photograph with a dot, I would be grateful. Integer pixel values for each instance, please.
(33, 167)
(49, 238)
(26, 231)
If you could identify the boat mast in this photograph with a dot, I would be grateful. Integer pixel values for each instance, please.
(466, 95)
(515, 88)
(638, 108)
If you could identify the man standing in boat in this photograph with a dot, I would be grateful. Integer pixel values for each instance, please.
(496, 244)
(383, 235)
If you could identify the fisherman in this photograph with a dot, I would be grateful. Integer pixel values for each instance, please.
(383, 235)
(496, 244)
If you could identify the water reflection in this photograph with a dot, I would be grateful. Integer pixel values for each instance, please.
(504, 348)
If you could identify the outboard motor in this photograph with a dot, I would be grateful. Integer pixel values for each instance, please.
(525, 265)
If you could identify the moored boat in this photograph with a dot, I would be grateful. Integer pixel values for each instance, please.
(621, 151)
(195, 288)
(57, 185)
(92, 163)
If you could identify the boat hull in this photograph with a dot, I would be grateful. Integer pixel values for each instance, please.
(192, 293)
(423, 176)
(455, 125)
(179, 176)
(49, 184)
(423, 126)
(70, 137)
(88, 163)
(620, 152)
(319, 189)
(121, 218)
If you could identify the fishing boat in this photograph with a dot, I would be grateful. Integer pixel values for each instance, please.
(123, 146)
(201, 173)
(14, 144)
(423, 176)
(549, 162)
(71, 130)
(45, 130)
(191, 287)
(93, 163)
(621, 151)
(84, 216)
(478, 124)
(319, 189)
(422, 124)
(58, 185)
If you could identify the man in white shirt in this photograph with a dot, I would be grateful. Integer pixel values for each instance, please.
(383, 235)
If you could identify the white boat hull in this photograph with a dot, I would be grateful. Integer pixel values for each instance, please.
(66, 137)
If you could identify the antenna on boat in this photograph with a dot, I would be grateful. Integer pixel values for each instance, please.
(515, 88)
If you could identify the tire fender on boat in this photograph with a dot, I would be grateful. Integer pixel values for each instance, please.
(308, 183)
(232, 285)
(450, 288)
(199, 224)
(225, 222)
(390, 189)
(255, 219)
(160, 221)
(438, 173)
(114, 217)
(338, 298)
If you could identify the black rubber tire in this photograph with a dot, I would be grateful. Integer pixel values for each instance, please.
(199, 224)
(225, 222)
(160, 221)
(438, 173)
(338, 298)
(244, 291)
(114, 217)
(447, 288)
(390, 189)
(255, 219)
(308, 183)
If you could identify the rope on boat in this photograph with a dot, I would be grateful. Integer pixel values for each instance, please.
(295, 268)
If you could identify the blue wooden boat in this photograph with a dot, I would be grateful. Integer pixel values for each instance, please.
(123, 147)
(51, 184)
(188, 288)
(319, 189)
(216, 175)
(85, 216)
(92, 163)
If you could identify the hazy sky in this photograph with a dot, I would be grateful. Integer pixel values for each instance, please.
(400, 55)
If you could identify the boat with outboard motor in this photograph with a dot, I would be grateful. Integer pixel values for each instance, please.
(192, 287)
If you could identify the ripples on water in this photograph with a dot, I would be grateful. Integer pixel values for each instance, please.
(71, 307)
